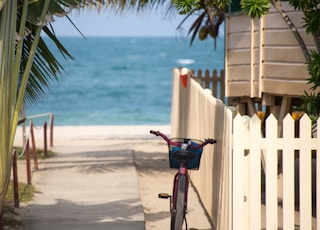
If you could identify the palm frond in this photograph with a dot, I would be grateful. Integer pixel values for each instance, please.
(195, 26)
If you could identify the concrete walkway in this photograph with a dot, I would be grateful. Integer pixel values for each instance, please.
(86, 188)
(103, 181)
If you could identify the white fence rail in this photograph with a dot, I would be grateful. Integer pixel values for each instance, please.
(249, 180)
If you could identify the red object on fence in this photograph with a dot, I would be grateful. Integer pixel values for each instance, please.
(45, 139)
(184, 77)
(28, 162)
(35, 160)
(15, 180)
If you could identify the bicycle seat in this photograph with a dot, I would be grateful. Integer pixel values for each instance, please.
(183, 155)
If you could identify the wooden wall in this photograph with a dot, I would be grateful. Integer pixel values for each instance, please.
(263, 56)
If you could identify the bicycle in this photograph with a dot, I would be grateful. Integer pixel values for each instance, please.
(184, 154)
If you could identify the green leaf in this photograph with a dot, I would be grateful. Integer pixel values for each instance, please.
(255, 8)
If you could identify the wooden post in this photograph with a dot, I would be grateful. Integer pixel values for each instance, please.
(35, 160)
(15, 180)
(28, 163)
(45, 139)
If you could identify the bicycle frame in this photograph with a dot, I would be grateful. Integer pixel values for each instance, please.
(182, 171)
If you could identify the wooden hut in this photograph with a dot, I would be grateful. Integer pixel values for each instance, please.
(264, 62)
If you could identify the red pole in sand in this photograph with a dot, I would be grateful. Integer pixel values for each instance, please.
(15, 180)
(51, 129)
(35, 160)
(1, 221)
(45, 139)
(28, 163)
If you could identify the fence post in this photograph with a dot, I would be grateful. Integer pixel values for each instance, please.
(305, 173)
(271, 173)
(15, 180)
(28, 162)
(51, 129)
(34, 149)
(238, 190)
(45, 139)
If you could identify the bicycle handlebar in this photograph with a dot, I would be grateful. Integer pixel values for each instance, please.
(178, 144)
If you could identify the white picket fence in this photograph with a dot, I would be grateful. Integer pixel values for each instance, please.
(282, 191)
(239, 181)
(196, 114)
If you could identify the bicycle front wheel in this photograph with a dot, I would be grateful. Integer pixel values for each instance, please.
(178, 212)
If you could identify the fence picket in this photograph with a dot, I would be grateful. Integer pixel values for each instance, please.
(255, 178)
(214, 81)
(288, 173)
(305, 173)
(238, 174)
(271, 173)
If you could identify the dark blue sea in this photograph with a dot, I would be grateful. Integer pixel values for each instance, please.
(122, 81)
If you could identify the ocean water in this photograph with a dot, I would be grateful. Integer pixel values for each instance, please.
(122, 81)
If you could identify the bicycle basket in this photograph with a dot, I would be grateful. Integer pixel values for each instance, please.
(192, 164)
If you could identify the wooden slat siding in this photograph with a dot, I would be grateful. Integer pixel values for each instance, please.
(238, 26)
(271, 173)
(294, 15)
(255, 178)
(238, 52)
(284, 71)
(275, 38)
(288, 173)
(240, 40)
(305, 173)
(293, 54)
(276, 58)
(293, 88)
(238, 194)
(214, 81)
(239, 57)
(288, 74)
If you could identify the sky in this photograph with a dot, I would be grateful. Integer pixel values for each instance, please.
(128, 24)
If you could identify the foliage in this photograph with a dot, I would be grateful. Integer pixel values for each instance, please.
(311, 105)
(210, 15)
(314, 70)
(187, 6)
(11, 217)
(39, 152)
(26, 192)
(256, 8)
(312, 22)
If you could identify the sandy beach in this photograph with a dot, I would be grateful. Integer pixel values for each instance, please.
(149, 157)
